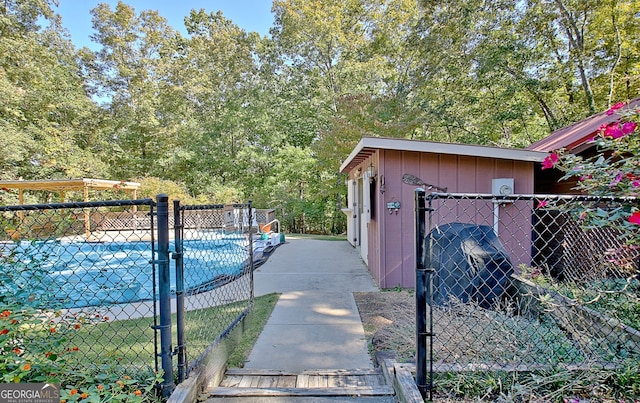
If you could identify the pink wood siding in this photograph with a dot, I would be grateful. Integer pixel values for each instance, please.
(391, 236)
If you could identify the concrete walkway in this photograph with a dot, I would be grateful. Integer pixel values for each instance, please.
(315, 324)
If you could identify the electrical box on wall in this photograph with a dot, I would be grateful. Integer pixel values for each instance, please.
(502, 186)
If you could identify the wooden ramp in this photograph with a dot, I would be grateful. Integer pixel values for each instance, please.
(259, 385)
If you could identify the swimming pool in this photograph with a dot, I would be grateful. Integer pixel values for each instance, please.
(81, 274)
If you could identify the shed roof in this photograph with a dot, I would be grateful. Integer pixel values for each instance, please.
(69, 184)
(575, 137)
(368, 146)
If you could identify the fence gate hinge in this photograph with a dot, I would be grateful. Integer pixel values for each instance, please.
(160, 327)
(176, 350)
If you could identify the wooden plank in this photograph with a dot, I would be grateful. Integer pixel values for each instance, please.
(441, 367)
(255, 381)
(388, 370)
(267, 381)
(302, 381)
(245, 382)
(363, 371)
(231, 381)
(287, 381)
(258, 372)
(405, 386)
(315, 381)
(248, 392)
(373, 380)
(338, 381)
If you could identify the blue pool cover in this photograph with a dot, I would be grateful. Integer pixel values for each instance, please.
(80, 274)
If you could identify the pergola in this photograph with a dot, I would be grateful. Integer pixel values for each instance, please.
(64, 185)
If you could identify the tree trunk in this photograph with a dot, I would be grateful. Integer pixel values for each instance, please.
(576, 44)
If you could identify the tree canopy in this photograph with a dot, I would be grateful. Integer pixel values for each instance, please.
(229, 115)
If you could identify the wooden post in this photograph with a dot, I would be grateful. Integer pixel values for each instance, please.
(87, 224)
(134, 195)
(21, 201)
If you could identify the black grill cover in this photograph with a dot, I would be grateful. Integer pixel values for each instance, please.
(470, 264)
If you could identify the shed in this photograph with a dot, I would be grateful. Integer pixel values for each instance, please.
(380, 205)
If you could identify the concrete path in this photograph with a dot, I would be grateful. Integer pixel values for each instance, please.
(315, 324)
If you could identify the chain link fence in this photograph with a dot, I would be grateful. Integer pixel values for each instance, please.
(54, 258)
(101, 268)
(522, 283)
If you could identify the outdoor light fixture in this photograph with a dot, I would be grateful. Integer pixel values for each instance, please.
(371, 173)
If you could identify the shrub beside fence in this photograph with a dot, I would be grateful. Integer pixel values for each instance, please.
(522, 285)
(108, 285)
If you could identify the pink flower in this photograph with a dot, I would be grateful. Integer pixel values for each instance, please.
(615, 180)
(614, 108)
(542, 203)
(613, 130)
(629, 127)
(550, 161)
(635, 218)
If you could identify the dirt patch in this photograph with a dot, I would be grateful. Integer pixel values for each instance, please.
(388, 318)
(469, 334)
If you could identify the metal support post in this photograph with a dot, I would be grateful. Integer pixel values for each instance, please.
(251, 263)
(424, 299)
(164, 285)
(178, 256)
(421, 305)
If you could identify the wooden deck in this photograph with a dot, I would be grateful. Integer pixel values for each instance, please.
(364, 385)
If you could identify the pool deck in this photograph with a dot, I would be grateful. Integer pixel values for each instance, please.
(315, 323)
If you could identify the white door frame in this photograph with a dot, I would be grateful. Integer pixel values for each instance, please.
(364, 207)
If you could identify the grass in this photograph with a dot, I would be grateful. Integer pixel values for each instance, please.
(318, 237)
(263, 307)
(617, 298)
(132, 341)
(621, 384)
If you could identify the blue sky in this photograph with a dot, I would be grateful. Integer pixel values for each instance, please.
(251, 15)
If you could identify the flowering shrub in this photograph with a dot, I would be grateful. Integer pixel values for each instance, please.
(34, 347)
(615, 171)
(105, 383)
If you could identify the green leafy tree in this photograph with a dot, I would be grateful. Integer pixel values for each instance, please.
(128, 72)
(46, 115)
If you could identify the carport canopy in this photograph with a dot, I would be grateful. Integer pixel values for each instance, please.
(64, 185)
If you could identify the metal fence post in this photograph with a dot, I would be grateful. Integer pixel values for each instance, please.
(164, 285)
(421, 301)
(251, 263)
(178, 256)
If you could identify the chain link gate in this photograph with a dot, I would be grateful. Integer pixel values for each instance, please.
(214, 257)
(522, 283)
(70, 264)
